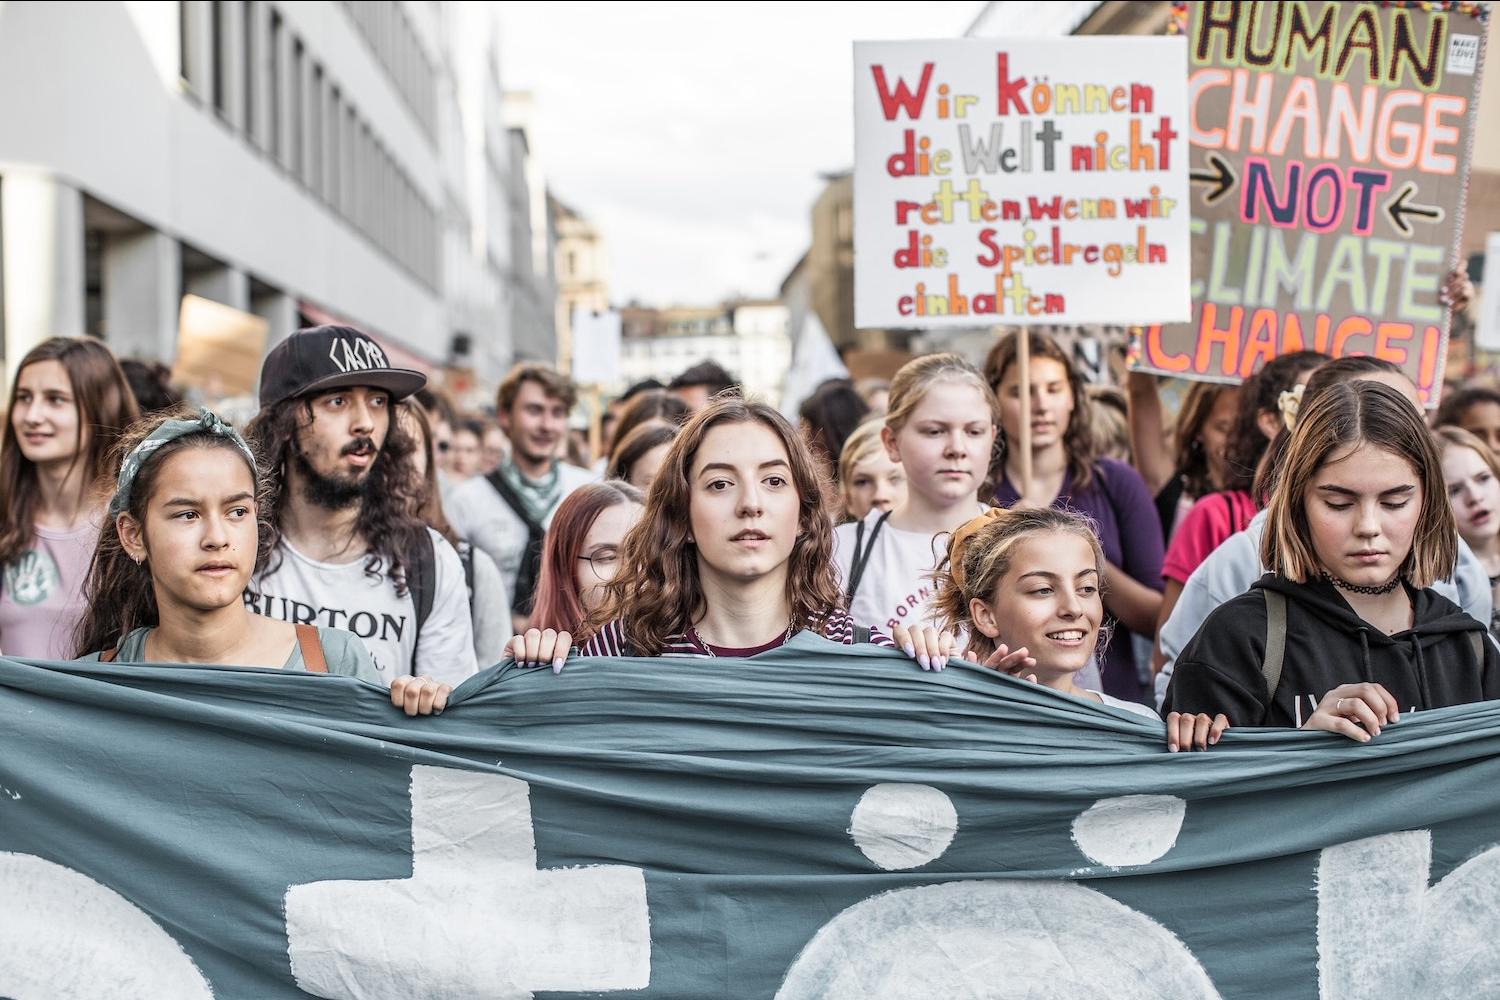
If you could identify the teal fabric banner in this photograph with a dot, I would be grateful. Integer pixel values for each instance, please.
(817, 822)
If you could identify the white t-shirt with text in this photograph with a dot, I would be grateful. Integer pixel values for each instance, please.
(344, 596)
(897, 587)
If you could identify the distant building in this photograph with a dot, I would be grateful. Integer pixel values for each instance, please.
(749, 338)
(301, 161)
(582, 272)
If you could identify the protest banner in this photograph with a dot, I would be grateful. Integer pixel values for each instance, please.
(820, 821)
(1330, 147)
(1020, 181)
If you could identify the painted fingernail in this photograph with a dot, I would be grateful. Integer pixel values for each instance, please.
(557, 666)
(910, 650)
(1171, 748)
(926, 663)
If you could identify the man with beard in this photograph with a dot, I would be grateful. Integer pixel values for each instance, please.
(350, 551)
(507, 512)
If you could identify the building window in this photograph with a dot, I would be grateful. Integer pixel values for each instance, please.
(273, 96)
(218, 26)
(294, 103)
(250, 53)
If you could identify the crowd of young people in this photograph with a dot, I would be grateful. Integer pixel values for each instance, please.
(1300, 550)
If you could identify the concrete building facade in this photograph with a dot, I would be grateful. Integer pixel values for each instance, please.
(300, 161)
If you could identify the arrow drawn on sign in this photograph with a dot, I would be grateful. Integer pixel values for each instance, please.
(1221, 176)
(1398, 209)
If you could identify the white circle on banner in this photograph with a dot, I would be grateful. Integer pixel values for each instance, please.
(903, 826)
(1129, 830)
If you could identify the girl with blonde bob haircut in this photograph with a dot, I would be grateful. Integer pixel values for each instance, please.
(1027, 584)
(731, 556)
(1344, 632)
(868, 479)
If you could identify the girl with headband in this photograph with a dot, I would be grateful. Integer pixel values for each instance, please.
(184, 533)
(1026, 584)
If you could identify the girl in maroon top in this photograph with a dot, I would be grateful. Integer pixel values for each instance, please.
(731, 557)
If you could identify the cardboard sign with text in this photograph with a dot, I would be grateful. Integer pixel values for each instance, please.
(1020, 181)
(219, 348)
(1329, 155)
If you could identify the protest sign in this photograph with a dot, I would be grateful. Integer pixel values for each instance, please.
(820, 821)
(1487, 330)
(219, 348)
(1330, 151)
(1020, 181)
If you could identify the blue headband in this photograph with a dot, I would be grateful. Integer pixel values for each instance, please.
(170, 430)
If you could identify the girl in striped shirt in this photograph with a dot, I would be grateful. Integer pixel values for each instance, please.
(732, 556)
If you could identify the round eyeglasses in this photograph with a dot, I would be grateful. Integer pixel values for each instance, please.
(604, 562)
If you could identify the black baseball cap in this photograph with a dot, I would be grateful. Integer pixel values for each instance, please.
(330, 357)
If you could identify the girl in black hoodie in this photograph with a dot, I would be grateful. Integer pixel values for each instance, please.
(1343, 633)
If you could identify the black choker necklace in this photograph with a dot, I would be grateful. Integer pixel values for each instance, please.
(1355, 588)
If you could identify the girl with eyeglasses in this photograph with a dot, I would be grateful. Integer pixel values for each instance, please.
(582, 553)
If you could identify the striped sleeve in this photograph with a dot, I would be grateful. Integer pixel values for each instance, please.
(840, 628)
(608, 641)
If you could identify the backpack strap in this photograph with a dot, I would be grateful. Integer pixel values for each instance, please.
(1476, 642)
(311, 648)
(862, 554)
(466, 558)
(1270, 667)
(421, 583)
(861, 635)
(531, 557)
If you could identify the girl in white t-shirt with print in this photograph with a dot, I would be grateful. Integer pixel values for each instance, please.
(940, 427)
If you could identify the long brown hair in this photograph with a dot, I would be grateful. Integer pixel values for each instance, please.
(657, 593)
(1190, 458)
(1078, 440)
(1366, 413)
(429, 500)
(557, 605)
(119, 592)
(104, 404)
(393, 493)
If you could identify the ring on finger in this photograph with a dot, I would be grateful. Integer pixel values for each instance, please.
(1339, 705)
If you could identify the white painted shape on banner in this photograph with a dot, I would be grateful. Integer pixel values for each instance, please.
(1384, 935)
(899, 826)
(998, 940)
(66, 936)
(1129, 830)
(476, 919)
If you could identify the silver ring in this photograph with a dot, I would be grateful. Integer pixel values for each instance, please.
(1339, 705)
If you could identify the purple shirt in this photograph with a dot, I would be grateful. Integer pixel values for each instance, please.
(1116, 496)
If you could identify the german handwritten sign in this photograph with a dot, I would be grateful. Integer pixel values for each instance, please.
(1035, 181)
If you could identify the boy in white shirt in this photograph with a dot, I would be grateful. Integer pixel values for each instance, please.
(349, 551)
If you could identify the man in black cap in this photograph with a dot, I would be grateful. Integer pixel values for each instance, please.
(347, 549)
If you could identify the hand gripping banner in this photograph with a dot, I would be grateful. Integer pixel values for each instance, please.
(818, 821)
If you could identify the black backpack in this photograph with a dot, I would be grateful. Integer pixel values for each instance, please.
(421, 583)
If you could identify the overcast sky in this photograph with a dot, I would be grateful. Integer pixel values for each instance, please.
(693, 134)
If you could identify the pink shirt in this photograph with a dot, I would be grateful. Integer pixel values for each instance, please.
(41, 593)
(1212, 519)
